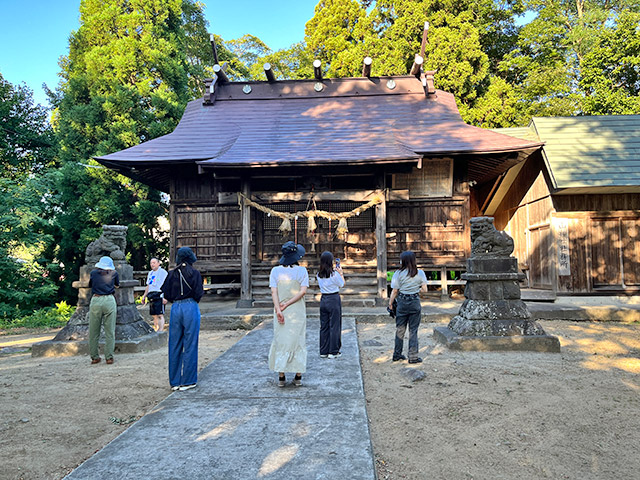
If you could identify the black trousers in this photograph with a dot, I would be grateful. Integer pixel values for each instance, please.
(330, 323)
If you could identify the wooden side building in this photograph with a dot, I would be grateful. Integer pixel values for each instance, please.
(573, 208)
(330, 145)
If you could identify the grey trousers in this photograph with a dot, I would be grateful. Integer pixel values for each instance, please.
(408, 314)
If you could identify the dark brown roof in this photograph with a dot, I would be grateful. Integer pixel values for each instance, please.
(351, 121)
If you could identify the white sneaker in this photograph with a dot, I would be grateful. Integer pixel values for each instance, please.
(175, 388)
(336, 355)
(324, 356)
(187, 387)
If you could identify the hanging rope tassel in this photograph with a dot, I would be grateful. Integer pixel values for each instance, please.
(342, 226)
(311, 226)
(285, 227)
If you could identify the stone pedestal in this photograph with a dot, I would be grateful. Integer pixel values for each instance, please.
(133, 333)
(493, 316)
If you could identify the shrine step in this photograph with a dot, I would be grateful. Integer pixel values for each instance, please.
(346, 302)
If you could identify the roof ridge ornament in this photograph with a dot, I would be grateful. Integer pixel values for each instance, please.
(426, 77)
(366, 67)
(317, 71)
(219, 77)
(268, 71)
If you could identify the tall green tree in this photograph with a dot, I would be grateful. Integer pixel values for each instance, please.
(27, 143)
(248, 50)
(27, 147)
(467, 40)
(132, 67)
(545, 68)
(610, 70)
(295, 62)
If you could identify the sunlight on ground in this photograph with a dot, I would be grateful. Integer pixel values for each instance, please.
(229, 426)
(631, 365)
(277, 459)
(631, 385)
(13, 343)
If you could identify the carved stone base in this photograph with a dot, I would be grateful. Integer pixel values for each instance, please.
(530, 343)
(494, 327)
(54, 348)
(129, 325)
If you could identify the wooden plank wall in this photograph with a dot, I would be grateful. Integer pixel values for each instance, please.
(212, 230)
(604, 251)
(607, 235)
(525, 213)
(437, 230)
(631, 251)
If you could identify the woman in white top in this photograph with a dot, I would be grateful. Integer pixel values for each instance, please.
(406, 284)
(330, 282)
(289, 282)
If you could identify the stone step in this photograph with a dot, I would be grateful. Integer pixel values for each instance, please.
(346, 302)
(349, 281)
(266, 267)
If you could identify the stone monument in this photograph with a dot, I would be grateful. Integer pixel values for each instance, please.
(133, 333)
(493, 315)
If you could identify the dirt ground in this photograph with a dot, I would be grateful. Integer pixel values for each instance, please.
(56, 412)
(510, 415)
(473, 416)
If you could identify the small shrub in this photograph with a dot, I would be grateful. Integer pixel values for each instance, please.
(48, 317)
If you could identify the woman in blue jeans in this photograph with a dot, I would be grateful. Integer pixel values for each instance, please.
(183, 287)
(406, 284)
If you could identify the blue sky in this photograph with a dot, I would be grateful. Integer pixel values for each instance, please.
(35, 33)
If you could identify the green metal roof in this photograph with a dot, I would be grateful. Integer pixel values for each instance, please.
(525, 133)
(591, 152)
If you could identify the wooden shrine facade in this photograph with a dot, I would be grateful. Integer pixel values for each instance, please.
(325, 144)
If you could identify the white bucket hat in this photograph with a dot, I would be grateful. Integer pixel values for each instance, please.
(105, 263)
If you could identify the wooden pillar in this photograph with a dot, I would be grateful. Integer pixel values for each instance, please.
(173, 224)
(444, 292)
(246, 299)
(381, 249)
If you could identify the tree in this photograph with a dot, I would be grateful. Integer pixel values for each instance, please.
(334, 33)
(295, 62)
(611, 70)
(132, 67)
(26, 141)
(247, 50)
(26, 153)
(545, 68)
(343, 32)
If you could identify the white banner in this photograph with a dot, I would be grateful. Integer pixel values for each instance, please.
(562, 236)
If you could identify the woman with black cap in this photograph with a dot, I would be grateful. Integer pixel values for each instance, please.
(289, 282)
(183, 287)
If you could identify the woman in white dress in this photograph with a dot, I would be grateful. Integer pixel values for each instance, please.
(289, 282)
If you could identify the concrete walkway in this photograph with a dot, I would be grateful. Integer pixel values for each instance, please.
(237, 424)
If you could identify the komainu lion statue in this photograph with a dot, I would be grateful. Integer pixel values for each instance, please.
(112, 243)
(487, 241)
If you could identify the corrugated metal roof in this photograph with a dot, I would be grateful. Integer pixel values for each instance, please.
(591, 151)
(351, 121)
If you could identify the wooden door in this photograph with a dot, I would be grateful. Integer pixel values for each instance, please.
(631, 251)
(539, 246)
(605, 252)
